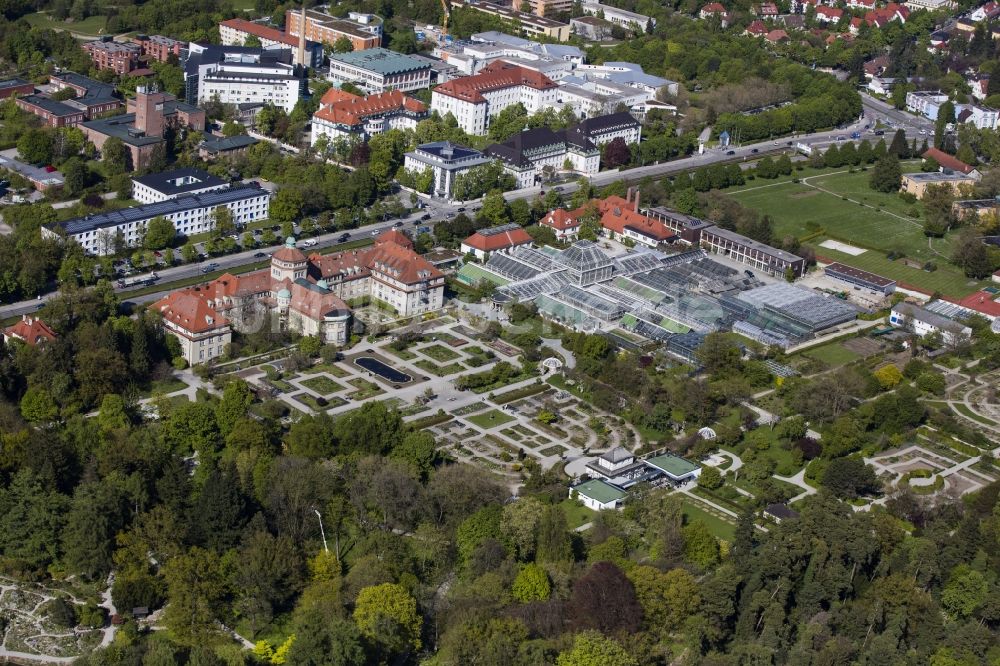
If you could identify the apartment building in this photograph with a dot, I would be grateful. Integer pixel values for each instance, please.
(172, 184)
(530, 23)
(52, 112)
(236, 32)
(190, 213)
(158, 47)
(475, 100)
(528, 154)
(550, 7)
(119, 57)
(620, 17)
(243, 75)
(379, 70)
(364, 31)
(342, 115)
(15, 86)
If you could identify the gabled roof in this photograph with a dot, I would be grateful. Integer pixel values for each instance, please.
(617, 455)
(829, 13)
(617, 214)
(713, 8)
(31, 331)
(394, 236)
(776, 36)
(495, 76)
(498, 238)
(757, 28)
(947, 161)
(401, 264)
(189, 309)
(353, 110)
(560, 219)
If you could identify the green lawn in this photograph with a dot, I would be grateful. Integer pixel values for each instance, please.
(165, 386)
(440, 353)
(322, 385)
(832, 354)
(93, 25)
(330, 369)
(439, 370)
(490, 419)
(968, 413)
(576, 513)
(801, 211)
(722, 529)
(366, 389)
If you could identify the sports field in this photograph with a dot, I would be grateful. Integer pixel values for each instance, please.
(842, 206)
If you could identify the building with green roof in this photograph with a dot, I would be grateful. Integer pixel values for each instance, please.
(598, 495)
(380, 70)
(677, 469)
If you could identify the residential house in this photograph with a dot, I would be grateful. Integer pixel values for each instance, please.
(565, 225)
(30, 330)
(924, 322)
(598, 495)
(500, 239)
(756, 29)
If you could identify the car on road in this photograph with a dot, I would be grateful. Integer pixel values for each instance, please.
(423, 230)
(210, 267)
(398, 224)
(879, 132)
(754, 150)
(343, 238)
(841, 138)
(461, 209)
(425, 217)
(310, 243)
(376, 232)
(855, 135)
(259, 255)
(789, 143)
(730, 152)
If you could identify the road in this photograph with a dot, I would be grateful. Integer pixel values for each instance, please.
(874, 109)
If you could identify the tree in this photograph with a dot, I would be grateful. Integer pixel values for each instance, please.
(35, 146)
(321, 640)
(886, 176)
(604, 599)
(508, 122)
(888, 376)
(938, 216)
(554, 543)
(849, 478)
(95, 516)
(236, 400)
(592, 649)
(617, 154)
(710, 478)
(343, 45)
(196, 589)
(387, 615)
(286, 206)
(700, 547)
(76, 176)
(31, 520)
(972, 255)
(531, 584)
(116, 157)
(965, 592)
(495, 208)
(37, 406)
(222, 221)
(945, 117)
(160, 233)
(718, 354)
(667, 599)
(898, 147)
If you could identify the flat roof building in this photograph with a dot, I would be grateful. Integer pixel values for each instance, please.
(917, 183)
(172, 184)
(212, 147)
(15, 86)
(118, 57)
(52, 112)
(380, 70)
(364, 31)
(860, 278)
(745, 250)
(190, 213)
(236, 32)
(620, 17)
(598, 495)
(531, 24)
(242, 74)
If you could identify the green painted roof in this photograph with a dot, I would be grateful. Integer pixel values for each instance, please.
(473, 273)
(599, 491)
(382, 61)
(674, 466)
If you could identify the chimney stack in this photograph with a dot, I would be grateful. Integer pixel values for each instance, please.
(636, 207)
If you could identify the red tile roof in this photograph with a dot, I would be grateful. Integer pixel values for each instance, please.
(394, 236)
(261, 31)
(189, 309)
(401, 264)
(30, 330)
(947, 161)
(560, 219)
(829, 13)
(499, 241)
(713, 8)
(776, 36)
(335, 95)
(618, 213)
(982, 301)
(495, 76)
(353, 110)
(289, 253)
(757, 28)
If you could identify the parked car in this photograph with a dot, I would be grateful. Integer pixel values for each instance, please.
(343, 238)
(461, 209)
(754, 150)
(730, 152)
(259, 255)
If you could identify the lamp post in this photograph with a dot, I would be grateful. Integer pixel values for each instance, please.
(321, 531)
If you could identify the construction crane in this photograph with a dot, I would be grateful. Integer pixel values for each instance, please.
(447, 15)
